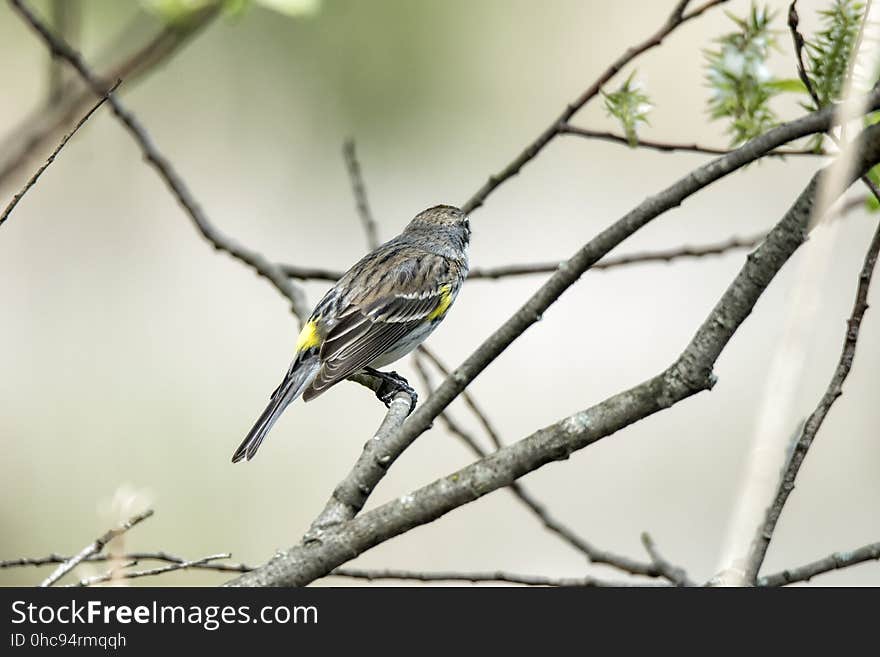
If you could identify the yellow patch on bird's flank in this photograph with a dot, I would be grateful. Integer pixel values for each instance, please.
(308, 337)
(443, 305)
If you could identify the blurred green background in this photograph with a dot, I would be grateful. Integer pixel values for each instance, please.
(134, 358)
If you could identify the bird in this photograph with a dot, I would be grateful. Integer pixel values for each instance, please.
(381, 309)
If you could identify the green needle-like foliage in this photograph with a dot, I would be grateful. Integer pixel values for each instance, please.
(741, 83)
(629, 105)
(830, 51)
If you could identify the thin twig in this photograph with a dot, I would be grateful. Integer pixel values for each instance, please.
(673, 21)
(467, 397)
(126, 556)
(798, 39)
(832, 562)
(121, 572)
(529, 269)
(495, 576)
(95, 547)
(360, 194)
(113, 573)
(166, 171)
(684, 252)
(672, 147)
(673, 573)
(33, 179)
(834, 390)
(667, 255)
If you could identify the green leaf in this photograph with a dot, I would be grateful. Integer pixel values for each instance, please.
(830, 50)
(292, 7)
(174, 11)
(741, 83)
(790, 85)
(872, 203)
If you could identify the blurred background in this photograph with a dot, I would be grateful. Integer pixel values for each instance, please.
(134, 358)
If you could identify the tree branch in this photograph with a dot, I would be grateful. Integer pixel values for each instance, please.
(529, 269)
(835, 561)
(122, 572)
(664, 255)
(466, 396)
(671, 147)
(689, 374)
(33, 179)
(674, 574)
(474, 577)
(94, 548)
(673, 21)
(360, 194)
(125, 557)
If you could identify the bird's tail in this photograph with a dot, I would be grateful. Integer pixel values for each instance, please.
(296, 380)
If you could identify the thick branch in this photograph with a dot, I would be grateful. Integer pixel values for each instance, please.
(690, 374)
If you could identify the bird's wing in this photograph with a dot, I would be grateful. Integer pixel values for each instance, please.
(364, 333)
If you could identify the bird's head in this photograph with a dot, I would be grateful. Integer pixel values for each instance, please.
(442, 217)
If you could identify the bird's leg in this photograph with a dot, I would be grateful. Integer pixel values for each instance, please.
(392, 383)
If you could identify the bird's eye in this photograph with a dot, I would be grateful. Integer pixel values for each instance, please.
(467, 225)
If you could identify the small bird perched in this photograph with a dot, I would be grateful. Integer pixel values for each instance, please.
(379, 311)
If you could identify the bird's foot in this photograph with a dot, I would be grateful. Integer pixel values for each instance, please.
(393, 383)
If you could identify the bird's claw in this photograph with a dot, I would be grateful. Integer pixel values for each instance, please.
(393, 383)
